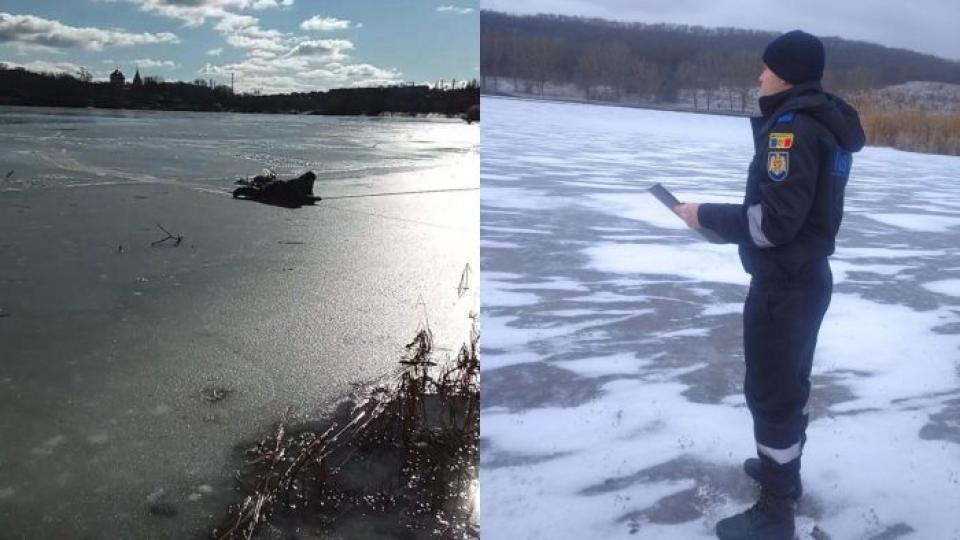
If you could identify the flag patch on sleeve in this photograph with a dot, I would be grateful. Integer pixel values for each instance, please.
(781, 141)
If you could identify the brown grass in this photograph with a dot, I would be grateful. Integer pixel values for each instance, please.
(404, 461)
(911, 129)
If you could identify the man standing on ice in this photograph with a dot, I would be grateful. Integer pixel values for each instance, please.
(785, 229)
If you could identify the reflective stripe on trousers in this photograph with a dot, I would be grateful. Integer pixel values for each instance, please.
(780, 327)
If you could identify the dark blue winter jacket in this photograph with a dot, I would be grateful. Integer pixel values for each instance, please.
(793, 205)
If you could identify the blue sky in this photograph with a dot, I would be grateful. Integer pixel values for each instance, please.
(270, 45)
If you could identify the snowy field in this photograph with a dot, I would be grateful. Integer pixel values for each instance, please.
(612, 373)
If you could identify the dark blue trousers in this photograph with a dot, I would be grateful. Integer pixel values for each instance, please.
(781, 320)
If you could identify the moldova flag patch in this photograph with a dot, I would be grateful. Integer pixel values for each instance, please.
(778, 165)
(781, 141)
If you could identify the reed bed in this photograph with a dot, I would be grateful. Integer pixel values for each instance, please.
(402, 462)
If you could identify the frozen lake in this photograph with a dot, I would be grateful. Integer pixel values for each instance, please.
(612, 371)
(130, 379)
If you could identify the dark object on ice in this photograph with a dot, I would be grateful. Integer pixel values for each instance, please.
(472, 115)
(754, 469)
(671, 202)
(119, 248)
(214, 394)
(287, 193)
(163, 509)
(9, 174)
(175, 239)
(771, 518)
(464, 284)
(158, 504)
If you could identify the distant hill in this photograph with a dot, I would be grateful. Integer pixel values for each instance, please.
(928, 96)
(695, 67)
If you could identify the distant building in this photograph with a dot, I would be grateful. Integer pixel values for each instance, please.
(137, 82)
(117, 78)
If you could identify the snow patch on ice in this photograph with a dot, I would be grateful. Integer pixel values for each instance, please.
(949, 287)
(876, 349)
(519, 198)
(845, 252)
(918, 222)
(842, 269)
(599, 366)
(722, 309)
(493, 361)
(684, 332)
(698, 262)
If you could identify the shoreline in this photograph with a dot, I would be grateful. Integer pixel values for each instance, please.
(866, 118)
(386, 114)
(578, 101)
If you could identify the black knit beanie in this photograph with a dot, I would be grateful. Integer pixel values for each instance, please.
(796, 57)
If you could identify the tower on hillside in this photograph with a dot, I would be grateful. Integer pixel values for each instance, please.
(117, 78)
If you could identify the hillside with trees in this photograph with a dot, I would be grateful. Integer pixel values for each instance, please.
(712, 70)
(612, 61)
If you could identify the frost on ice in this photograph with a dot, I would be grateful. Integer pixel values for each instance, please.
(612, 377)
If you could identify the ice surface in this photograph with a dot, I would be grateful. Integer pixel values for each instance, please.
(107, 357)
(599, 424)
(644, 207)
(949, 287)
(919, 222)
(696, 261)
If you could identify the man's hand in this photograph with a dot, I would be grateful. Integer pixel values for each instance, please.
(688, 212)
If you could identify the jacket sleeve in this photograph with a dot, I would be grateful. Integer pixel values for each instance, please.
(784, 203)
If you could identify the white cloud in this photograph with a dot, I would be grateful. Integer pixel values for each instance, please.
(455, 10)
(330, 49)
(215, 52)
(49, 33)
(276, 62)
(242, 41)
(260, 53)
(265, 4)
(149, 63)
(324, 24)
(232, 22)
(301, 74)
(197, 12)
(239, 30)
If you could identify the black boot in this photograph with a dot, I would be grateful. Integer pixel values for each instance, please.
(771, 518)
(754, 469)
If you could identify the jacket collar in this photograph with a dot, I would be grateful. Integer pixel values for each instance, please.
(779, 103)
(773, 106)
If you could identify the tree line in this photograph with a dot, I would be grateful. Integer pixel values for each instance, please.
(610, 60)
(22, 87)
